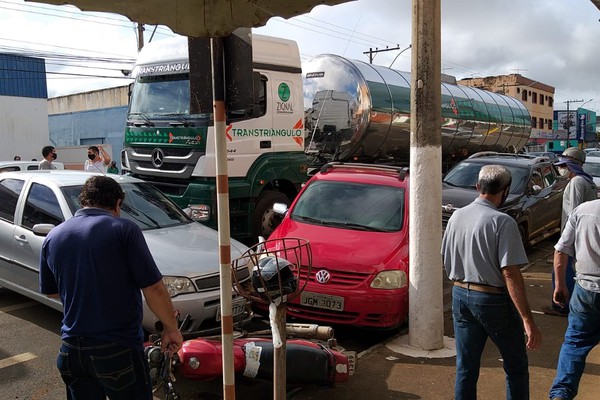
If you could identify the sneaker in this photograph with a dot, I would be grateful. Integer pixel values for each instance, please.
(550, 310)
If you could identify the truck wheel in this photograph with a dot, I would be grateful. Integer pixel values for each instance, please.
(265, 219)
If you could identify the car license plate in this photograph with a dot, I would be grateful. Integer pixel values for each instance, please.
(238, 306)
(323, 301)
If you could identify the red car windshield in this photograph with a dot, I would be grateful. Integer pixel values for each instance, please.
(351, 205)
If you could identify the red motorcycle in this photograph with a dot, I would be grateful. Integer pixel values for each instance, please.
(315, 361)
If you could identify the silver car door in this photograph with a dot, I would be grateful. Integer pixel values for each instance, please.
(41, 206)
(10, 190)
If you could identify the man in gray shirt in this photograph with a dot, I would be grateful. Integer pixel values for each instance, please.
(482, 252)
(49, 154)
(581, 240)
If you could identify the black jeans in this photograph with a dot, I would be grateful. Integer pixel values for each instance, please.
(93, 369)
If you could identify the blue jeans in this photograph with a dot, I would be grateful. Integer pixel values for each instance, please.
(570, 279)
(93, 369)
(477, 316)
(583, 333)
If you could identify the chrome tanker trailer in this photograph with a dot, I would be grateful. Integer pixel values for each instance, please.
(360, 112)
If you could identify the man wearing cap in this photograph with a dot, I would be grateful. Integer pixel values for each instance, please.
(581, 188)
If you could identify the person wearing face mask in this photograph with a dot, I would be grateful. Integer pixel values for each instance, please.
(482, 253)
(95, 163)
(581, 188)
(49, 155)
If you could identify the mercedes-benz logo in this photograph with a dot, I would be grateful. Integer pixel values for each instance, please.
(323, 276)
(158, 157)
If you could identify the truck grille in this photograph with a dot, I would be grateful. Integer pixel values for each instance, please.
(173, 162)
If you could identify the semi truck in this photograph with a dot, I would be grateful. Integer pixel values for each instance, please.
(328, 108)
(167, 145)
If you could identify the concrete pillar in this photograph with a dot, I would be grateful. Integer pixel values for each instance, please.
(426, 318)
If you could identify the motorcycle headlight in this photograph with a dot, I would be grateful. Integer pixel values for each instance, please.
(177, 285)
(389, 280)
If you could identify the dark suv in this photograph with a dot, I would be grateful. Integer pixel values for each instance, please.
(535, 199)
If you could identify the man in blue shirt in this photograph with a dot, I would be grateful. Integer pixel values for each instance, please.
(483, 252)
(99, 265)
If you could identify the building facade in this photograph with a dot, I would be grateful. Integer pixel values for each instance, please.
(23, 112)
(536, 96)
(90, 118)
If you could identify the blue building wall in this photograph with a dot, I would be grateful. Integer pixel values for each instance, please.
(22, 76)
(100, 126)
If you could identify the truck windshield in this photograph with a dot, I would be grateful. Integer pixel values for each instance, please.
(157, 95)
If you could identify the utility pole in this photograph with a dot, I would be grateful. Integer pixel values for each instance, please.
(140, 36)
(568, 122)
(426, 314)
(371, 52)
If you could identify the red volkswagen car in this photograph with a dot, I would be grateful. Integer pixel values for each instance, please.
(355, 218)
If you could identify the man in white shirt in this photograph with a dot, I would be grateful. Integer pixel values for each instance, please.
(95, 163)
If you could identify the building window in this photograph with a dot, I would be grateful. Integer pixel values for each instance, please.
(541, 124)
(534, 98)
(541, 99)
(533, 122)
(550, 101)
(524, 95)
(549, 122)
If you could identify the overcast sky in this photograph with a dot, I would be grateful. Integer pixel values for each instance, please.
(556, 42)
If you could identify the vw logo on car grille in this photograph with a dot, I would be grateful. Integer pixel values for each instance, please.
(158, 157)
(322, 276)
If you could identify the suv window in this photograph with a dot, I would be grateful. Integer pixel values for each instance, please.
(549, 174)
(9, 193)
(41, 207)
(466, 173)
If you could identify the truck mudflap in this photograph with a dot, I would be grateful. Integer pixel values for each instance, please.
(308, 362)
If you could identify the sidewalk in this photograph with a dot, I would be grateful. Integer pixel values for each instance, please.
(382, 374)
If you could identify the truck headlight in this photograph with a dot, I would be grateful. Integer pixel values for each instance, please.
(389, 280)
(177, 285)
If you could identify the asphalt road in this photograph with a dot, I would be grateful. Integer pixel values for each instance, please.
(30, 338)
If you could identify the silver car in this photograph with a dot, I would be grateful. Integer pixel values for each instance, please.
(186, 252)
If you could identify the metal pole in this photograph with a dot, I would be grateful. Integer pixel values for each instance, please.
(279, 357)
(426, 317)
(568, 127)
(216, 45)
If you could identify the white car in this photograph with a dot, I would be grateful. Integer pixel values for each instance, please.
(592, 167)
(8, 166)
(186, 252)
